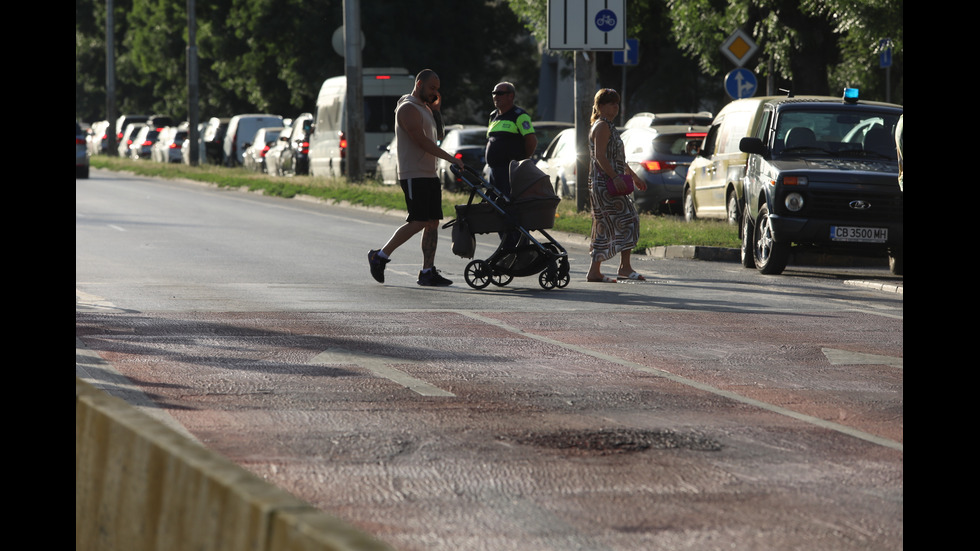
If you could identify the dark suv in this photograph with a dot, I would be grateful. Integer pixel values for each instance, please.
(822, 173)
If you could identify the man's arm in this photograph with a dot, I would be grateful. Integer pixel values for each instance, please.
(530, 144)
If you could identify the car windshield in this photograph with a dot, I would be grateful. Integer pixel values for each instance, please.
(473, 138)
(839, 132)
(678, 144)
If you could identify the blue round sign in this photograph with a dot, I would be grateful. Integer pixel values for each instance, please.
(605, 20)
(740, 83)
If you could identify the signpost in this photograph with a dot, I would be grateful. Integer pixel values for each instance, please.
(596, 25)
(740, 83)
(739, 47)
(885, 62)
(585, 25)
(628, 57)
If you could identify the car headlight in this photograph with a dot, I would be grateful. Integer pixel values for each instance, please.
(794, 202)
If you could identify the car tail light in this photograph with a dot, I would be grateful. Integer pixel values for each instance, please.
(264, 151)
(658, 166)
(304, 148)
(382, 77)
(174, 146)
(698, 135)
(147, 143)
(79, 141)
(343, 145)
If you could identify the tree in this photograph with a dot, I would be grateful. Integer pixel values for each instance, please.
(272, 56)
(809, 47)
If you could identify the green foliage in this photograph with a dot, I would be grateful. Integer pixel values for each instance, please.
(809, 47)
(272, 56)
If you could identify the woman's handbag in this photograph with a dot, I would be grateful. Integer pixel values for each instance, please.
(611, 186)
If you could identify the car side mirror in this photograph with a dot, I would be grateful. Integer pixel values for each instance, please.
(752, 145)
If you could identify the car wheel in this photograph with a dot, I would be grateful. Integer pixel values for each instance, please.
(689, 213)
(748, 234)
(732, 208)
(896, 261)
(770, 255)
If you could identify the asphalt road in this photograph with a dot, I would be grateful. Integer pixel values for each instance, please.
(708, 408)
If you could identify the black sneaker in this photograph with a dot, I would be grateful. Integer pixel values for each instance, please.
(433, 279)
(377, 265)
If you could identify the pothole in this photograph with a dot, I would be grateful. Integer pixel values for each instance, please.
(619, 441)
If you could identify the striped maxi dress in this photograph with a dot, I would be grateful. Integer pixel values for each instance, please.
(615, 223)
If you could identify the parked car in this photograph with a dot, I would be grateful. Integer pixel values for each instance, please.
(241, 130)
(713, 186)
(97, 138)
(274, 154)
(256, 148)
(546, 131)
(213, 138)
(185, 148)
(822, 174)
(388, 165)
(559, 162)
(123, 122)
(81, 153)
(142, 145)
(127, 137)
(160, 121)
(648, 120)
(466, 142)
(167, 148)
(295, 157)
(661, 156)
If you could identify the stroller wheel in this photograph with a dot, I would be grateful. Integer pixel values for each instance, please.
(563, 277)
(478, 274)
(501, 279)
(547, 279)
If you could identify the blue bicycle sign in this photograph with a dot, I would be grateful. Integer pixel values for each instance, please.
(605, 20)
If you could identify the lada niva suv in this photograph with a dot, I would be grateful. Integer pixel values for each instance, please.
(822, 173)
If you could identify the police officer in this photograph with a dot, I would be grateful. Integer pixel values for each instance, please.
(510, 136)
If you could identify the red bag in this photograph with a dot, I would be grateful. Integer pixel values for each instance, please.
(627, 179)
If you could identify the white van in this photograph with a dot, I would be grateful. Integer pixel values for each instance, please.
(241, 130)
(381, 88)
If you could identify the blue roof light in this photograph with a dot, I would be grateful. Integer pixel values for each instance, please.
(850, 95)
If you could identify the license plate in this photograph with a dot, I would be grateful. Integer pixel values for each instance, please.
(859, 234)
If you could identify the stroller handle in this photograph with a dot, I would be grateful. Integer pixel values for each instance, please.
(456, 170)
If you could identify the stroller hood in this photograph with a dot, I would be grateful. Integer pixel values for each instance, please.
(527, 181)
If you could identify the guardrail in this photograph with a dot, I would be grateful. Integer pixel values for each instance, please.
(141, 485)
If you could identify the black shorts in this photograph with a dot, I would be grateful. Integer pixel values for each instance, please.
(423, 198)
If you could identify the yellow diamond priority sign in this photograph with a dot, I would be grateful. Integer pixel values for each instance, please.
(739, 47)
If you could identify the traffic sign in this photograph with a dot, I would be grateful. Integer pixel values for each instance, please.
(740, 83)
(739, 47)
(885, 57)
(587, 25)
(629, 56)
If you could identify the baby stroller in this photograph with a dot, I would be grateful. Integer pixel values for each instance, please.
(531, 206)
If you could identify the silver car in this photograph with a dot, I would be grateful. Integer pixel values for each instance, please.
(81, 152)
(559, 162)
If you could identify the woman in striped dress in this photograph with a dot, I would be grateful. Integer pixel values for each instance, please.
(615, 223)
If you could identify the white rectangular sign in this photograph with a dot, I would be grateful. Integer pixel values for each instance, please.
(586, 24)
